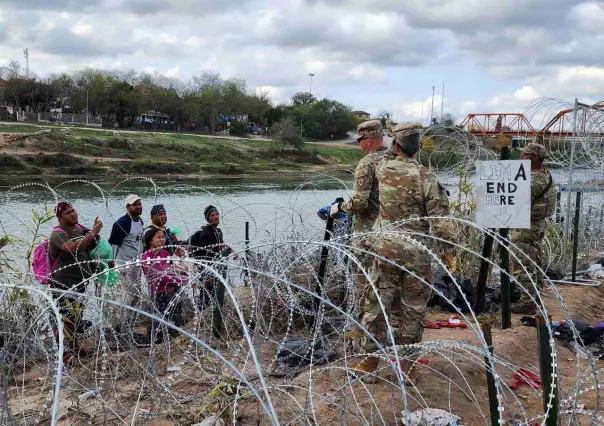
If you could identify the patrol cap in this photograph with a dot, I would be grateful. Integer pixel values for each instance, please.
(535, 148)
(408, 137)
(402, 130)
(367, 128)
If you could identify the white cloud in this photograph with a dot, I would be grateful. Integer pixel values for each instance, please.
(384, 53)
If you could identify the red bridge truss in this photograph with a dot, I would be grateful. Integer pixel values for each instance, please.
(514, 124)
(502, 124)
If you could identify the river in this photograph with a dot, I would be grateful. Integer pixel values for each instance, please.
(275, 209)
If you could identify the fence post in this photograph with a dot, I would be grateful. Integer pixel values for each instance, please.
(504, 266)
(549, 375)
(576, 236)
(492, 389)
(558, 207)
(323, 266)
(247, 253)
(570, 187)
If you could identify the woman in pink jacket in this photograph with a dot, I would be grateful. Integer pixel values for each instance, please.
(163, 280)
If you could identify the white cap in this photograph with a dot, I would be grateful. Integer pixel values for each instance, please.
(131, 199)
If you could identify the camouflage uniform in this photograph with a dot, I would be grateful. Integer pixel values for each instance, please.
(407, 190)
(543, 205)
(365, 203)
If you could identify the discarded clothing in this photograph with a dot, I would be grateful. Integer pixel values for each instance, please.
(294, 355)
(525, 377)
(450, 323)
(591, 339)
(430, 417)
(445, 285)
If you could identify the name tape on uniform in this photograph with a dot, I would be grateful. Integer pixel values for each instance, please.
(503, 194)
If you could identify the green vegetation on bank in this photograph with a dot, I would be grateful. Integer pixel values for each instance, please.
(75, 151)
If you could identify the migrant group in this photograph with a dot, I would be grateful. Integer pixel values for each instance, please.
(137, 249)
(393, 195)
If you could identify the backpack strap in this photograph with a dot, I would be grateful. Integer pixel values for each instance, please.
(547, 187)
(56, 261)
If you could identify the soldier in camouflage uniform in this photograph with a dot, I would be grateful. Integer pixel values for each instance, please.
(543, 205)
(407, 190)
(364, 204)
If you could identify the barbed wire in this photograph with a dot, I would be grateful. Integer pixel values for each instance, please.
(271, 307)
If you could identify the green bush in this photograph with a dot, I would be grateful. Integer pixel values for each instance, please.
(238, 128)
(9, 162)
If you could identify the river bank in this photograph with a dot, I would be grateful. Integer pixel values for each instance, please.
(29, 151)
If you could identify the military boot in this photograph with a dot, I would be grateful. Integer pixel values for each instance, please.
(366, 369)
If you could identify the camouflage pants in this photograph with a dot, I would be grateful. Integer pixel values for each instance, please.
(404, 298)
(360, 280)
(527, 240)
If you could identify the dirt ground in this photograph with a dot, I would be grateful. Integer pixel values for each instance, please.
(453, 380)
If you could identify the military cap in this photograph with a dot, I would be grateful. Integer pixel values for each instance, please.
(535, 148)
(403, 130)
(367, 128)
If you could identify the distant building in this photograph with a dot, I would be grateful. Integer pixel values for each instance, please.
(362, 115)
(152, 117)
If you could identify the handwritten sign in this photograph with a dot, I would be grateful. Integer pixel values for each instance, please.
(503, 194)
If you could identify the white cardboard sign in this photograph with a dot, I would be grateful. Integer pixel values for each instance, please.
(503, 194)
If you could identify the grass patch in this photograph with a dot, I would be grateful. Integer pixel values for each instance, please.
(18, 128)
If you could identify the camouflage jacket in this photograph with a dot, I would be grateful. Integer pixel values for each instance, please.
(365, 202)
(543, 199)
(407, 190)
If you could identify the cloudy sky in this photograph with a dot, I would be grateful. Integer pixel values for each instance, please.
(493, 55)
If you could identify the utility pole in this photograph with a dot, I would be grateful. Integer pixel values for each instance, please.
(432, 113)
(442, 104)
(26, 54)
(87, 106)
(311, 75)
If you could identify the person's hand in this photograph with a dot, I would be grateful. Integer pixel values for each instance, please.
(335, 209)
(180, 252)
(450, 260)
(97, 226)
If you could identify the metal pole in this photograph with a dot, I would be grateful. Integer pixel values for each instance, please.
(87, 107)
(570, 187)
(483, 273)
(432, 113)
(247, 252)
(504, 266)
(576, 235)
(492, 389)
(323, 264)
(548, 372)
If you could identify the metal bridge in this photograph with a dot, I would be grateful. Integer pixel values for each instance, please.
(516, 124)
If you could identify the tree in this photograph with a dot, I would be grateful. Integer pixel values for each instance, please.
(383, 116)
(303, 99)
(287, 131)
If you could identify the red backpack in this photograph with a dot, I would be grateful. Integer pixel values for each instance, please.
(41, 264)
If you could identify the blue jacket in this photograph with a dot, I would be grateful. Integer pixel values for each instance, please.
(121, 229)
(323, 212)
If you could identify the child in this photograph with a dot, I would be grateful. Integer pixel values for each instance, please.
(163, 280)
